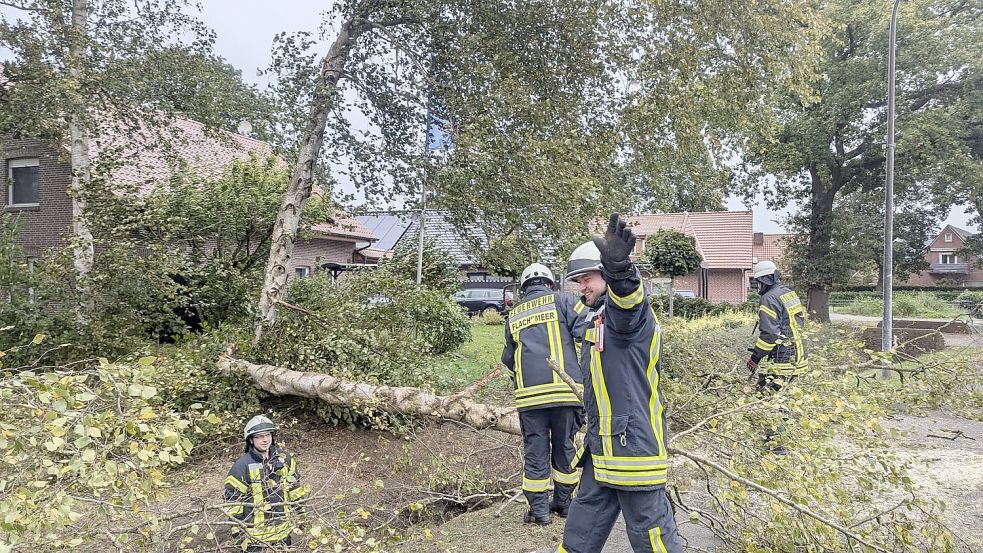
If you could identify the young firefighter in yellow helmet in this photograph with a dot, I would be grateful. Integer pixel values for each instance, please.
(536, 330)
(262, 488)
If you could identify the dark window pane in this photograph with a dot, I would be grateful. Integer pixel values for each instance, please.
(25, 185)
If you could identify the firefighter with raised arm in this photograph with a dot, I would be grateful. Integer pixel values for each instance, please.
(624, 458)
(537, 329)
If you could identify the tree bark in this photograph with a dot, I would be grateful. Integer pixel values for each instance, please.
(299, 189)
(83, 248)
(818, 253)
(395, 400)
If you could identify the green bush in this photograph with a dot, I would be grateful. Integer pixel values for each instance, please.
(971, 302)
(491, 318)
(932, 305)
(382, 342)
(694, 308)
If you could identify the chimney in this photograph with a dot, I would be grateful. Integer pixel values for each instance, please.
(759, 239)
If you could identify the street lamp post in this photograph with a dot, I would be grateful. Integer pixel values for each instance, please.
(887, 330)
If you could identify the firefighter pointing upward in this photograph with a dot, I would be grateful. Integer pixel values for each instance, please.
(537, 329)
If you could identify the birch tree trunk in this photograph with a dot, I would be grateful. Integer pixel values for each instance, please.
(396, 400)
(83, 249)
(299, 188)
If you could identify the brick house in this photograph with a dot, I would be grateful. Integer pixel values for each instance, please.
(770, 247)
(947, 266)
(36, 177)
(723, 238)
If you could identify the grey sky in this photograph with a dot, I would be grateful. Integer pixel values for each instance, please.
(245, 31)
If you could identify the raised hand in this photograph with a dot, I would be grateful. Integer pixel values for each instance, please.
(616, 245)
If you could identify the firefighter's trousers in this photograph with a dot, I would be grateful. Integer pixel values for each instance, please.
(547, 440)
(648, 516)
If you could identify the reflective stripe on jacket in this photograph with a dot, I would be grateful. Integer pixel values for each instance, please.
(626, 428)
(260, 494)
(781, 319)
(537, 329)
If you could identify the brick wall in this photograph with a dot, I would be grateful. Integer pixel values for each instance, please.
(729, 285)
(49, 223)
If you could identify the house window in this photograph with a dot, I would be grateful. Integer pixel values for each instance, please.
(947, 237)
(302, 272)
(948, 258)
(24, 183)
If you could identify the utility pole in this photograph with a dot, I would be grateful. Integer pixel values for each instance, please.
(423, 214)
(887, 330)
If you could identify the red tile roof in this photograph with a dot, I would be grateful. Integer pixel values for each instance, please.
(723, 238)
(146, 163)
(344, 227)
(773, 248)
(208, 153)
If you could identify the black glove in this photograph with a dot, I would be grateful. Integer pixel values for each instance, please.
(752, 365)
(616, 246)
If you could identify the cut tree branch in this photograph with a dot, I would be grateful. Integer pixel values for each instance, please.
(772, 493)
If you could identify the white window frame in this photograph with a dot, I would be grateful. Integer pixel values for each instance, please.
(947, 237)
(302, 271)
(942, 256)
(15, 164)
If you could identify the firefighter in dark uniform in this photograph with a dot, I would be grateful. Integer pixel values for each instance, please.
(779, 355)
(262, 488)
(624, 458)
(537, 329)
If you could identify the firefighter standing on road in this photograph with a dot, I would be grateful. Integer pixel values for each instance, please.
(781, 319)
(625, 459)
(537, 329)
(262, 487)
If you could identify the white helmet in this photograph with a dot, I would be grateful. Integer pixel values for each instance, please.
(585, 259)
(257, 424)
(536, 270)
(764, 268)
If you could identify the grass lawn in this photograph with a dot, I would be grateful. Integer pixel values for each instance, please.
(461, 368)
(924, 305)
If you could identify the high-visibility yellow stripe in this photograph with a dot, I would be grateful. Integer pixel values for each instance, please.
(568, 478)
(630, 479)
(256, 485)
(629, 301)
(603, 400)
(655, 405)
(534, 485)
(547, 399)
(579, 307)
(518, 366)
(576, 457)
(236, 483)
(768, 311)
(650, 462)
(763, 345)
(560, 549)
(542, 388)
(655, 538)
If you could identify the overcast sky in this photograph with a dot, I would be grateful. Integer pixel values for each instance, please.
(245, 30)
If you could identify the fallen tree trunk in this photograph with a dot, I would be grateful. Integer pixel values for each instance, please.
(417, 402)
(391, 399)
